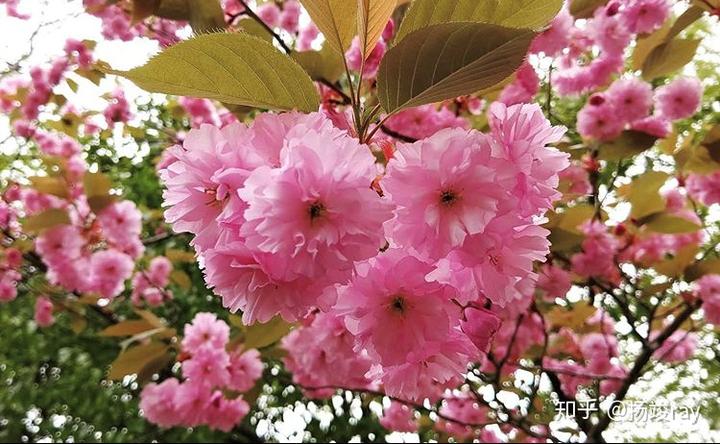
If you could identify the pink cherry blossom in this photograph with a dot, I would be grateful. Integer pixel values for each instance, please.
(224, 414)
(398, 417)
(393, 311)
(704, 188)
(44, 312)
(443, 189)
(206, 330)
(630, 99)
(321, 355)
(480, 325)
(554, 281)
(679, 99)
(157, 402)
(109, 269)
(708, 289)
(208, 366)
(679, 347)
(645, 16)
(423, 121)
(245, 369)
(316, 213)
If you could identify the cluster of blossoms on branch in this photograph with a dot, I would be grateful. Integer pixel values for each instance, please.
(213, 379)
(286, 221)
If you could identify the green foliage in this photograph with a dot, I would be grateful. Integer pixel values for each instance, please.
(531, 14)
(234, 68)
(449, 60)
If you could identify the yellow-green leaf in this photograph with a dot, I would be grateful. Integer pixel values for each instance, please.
(234, 68)
(644, 194)
(573, 318)
(449, 60)
(373, 15)
(321, 65)
(134, 359)
(687, 18)
(700, 269)
(532, 14)
(47, 219)
(99, 203)
(127, 328)
(585, 8)
(96, 184)
(252, 27)
(181, 279)
(669, 57)
(676, 265)
(142, 9)
(205, 15)
(50, 185)
(670, 224)
(630, 143)
(336, 19)
(645, 44)
(176, 255)
(262, 335)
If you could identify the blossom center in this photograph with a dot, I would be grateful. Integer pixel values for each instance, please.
(316, 210)
(448, 198)
(398, 304)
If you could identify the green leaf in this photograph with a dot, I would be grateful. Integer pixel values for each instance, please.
(687, 18)
(373, 15)
(645, 44)
(585, 8)
(533, 14)
(96, 184)
(449, 60)
(252, 27)
(235, 68)
(700, 269)
(127, 328)
(50, 185)
(321, 65)
(669, 57)
(262, 335)
(628, 144)
(677, 264)
(142, 9)
(135, 359)
(46, 219)
(336, 19)
(644, 194)
(670, 224)
(181, 279)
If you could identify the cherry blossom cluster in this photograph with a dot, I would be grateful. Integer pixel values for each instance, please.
(627, 103)
(11, 8)
(286, 222)
(97, 253)
(149, 286)
(117, 23)
(213, 378)
(283, 17)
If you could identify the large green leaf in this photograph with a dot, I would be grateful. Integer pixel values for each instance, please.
(585, 8)
(628, 144)
(336, 19)
(669, 57)
(448, 60)
(321, 65)
(531, 14)
(234, 68)
(373, 15)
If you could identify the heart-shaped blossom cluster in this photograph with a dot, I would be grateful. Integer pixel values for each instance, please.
(286, 222)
